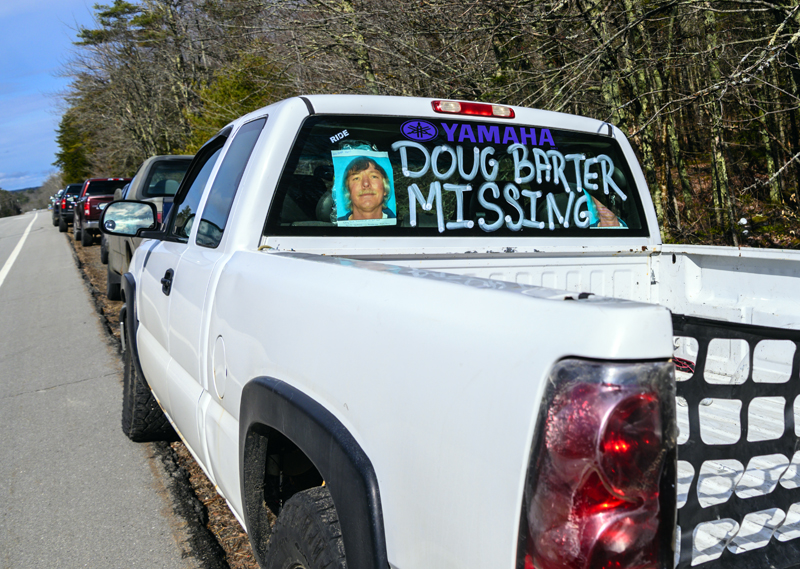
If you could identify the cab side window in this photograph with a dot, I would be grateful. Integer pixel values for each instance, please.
(186, 208)
(226, 182)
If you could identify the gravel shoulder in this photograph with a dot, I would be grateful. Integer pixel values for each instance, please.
(216, 538)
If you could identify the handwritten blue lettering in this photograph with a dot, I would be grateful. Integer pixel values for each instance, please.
(531, 165)
(459, 223)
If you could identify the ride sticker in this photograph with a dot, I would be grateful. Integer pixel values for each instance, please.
(363, 188)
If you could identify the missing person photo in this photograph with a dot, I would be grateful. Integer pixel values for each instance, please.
(363, 188)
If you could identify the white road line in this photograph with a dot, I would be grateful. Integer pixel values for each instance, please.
(15, 252)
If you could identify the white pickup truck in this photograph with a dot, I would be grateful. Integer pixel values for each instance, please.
(433, 334)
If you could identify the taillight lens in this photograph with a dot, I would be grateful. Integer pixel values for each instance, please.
(63, 203)
(600, 487)
(86, 208)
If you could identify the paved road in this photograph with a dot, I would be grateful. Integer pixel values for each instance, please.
(74, 492)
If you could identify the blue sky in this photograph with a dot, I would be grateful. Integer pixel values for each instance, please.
(35, 42)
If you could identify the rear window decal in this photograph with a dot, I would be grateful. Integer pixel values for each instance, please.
(481, 134)
(419, 130)
(535, 165)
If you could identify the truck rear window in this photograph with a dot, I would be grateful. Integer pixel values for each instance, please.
(104, 187)
(398, 176)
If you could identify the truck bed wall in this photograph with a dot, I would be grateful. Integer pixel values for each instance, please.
(615, 275)
(751, 286)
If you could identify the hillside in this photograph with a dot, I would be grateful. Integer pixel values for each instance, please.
(34, 198)
(9, 204)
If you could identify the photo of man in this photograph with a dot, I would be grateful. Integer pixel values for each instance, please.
(364, 189)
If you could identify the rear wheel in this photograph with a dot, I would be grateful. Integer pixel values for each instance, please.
(87, 239)
(142, 418)
(62, 225)
(55, 219)
(103, 250)
(307, 534)
(76, 232)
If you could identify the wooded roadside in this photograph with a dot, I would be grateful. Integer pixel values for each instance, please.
(707, 90)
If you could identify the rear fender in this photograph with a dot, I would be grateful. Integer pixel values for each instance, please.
(270, 405)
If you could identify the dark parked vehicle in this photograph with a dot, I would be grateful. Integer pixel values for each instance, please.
(95, 195)
(156, 181)
(66, 206)
(55, 203)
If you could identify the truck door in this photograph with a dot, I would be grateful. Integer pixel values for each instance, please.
(161, 285)
(193, 282)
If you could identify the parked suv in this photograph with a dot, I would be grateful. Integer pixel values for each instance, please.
(95, 195)
(156, 181)
(66, 206)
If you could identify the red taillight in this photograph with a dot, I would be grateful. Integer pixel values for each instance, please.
(632, 441)
(593, 495)
(64, 203)
(474, 109)
(86, 208)
(158, 216)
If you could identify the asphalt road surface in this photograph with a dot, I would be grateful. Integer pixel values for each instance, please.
(74, 492)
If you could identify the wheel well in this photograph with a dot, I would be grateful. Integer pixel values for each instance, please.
(290, 442)
(275, 469)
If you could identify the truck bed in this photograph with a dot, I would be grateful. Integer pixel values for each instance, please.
(736, 320)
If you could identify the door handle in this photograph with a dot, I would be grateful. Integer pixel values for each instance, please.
(166, 282)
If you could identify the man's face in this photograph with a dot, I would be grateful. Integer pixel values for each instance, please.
(366, 192)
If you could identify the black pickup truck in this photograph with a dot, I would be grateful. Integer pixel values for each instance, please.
(65, 206)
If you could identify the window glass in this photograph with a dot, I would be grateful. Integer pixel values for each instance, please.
(165, 177)
(187, 208)
(453, 177)
(226, 182)
(104, 187)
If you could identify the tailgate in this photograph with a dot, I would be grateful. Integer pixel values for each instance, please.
(96, 205)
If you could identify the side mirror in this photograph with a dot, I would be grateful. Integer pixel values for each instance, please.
(127, 218)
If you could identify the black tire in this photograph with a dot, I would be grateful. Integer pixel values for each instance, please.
(307, 534)
(76, 232)
(113, 286)
(62, 225)
(55, 220)
(103, 250)
(87, 239)
(143, 420)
